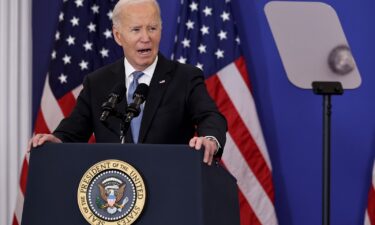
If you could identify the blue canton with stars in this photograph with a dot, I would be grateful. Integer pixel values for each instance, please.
(207, 35)
(83, 43)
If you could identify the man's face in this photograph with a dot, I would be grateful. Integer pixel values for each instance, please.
(139, 33)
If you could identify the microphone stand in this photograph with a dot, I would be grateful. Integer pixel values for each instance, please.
(124, 125)
(327, 89)
(126, 118)
(132, 111)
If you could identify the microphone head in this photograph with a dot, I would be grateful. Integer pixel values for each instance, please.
(119, 90)
(141, 91)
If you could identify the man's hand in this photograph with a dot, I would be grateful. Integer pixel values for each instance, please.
(210, 147)
(40, 139)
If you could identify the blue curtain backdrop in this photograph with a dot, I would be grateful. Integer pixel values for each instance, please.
(291, 117)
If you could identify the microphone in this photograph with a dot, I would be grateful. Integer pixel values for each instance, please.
(115, 96)
(139, 96)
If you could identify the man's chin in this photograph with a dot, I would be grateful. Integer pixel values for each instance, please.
(144, 63)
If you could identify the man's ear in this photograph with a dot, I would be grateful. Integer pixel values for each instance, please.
(117, 35)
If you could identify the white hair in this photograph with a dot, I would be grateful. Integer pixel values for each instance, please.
(117, 9)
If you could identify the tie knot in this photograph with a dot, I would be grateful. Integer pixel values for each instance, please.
(137, 75)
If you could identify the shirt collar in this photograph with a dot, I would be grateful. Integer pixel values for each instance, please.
(149, 71)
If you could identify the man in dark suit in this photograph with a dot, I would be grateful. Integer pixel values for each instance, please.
(177, 107)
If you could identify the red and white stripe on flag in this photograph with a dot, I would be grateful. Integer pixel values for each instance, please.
(245, 154)
(370, 212)
(208, 37)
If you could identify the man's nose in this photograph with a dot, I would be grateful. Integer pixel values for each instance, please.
(145, 35)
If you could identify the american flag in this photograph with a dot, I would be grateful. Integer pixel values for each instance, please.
(207, 37)
(83, 42)
(370, 212)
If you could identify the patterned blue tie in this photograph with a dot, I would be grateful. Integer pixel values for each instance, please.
(135, 124)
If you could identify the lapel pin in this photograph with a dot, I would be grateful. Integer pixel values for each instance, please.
(162, 82)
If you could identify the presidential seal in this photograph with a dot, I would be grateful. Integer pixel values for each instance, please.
(111, 192)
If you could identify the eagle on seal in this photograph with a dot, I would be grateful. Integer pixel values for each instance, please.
(112, 196)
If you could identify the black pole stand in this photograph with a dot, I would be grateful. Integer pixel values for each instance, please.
(327, 89)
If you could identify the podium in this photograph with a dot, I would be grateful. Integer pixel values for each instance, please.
(180, 188)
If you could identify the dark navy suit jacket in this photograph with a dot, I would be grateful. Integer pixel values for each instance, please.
(177, 107)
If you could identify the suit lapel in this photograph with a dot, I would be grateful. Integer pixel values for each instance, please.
(159, 83)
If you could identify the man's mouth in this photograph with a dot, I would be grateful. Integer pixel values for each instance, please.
(144, 50)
